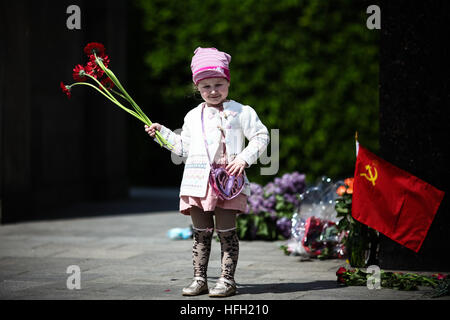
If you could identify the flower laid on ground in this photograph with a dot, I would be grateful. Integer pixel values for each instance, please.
(94, 70)
(360, 238)
(395, 280)
(439, 276)
(347, 188)
(270, 208)
(314, 232)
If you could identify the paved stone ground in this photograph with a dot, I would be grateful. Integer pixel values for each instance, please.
(129, 256)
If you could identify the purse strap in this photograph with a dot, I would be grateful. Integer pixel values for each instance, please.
(204, 137)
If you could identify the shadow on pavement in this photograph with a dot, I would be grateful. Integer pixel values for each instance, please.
(140, 200)
(286, 287)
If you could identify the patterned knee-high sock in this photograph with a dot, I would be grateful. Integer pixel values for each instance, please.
(229, 244)
(201, 249)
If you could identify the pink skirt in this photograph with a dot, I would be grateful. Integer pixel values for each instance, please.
(211, 201)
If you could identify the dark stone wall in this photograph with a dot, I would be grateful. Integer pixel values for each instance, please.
(56, 151)
(414, 116)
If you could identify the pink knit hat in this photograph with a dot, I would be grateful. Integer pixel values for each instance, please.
(210, 63)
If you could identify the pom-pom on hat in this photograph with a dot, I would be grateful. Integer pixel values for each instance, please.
(210, 63)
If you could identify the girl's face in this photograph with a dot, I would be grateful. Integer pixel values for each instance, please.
(214, 90)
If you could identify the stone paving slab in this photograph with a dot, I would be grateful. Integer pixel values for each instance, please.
(129, 257)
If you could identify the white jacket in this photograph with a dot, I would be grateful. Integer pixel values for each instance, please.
(239, 122)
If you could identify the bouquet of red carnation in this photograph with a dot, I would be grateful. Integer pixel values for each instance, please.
(97, 70)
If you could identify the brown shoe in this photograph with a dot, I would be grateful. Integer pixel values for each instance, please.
(223, 288)
(197, 287)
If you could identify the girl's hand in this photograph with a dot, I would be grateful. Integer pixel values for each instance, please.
(152, 129)
(236, 167)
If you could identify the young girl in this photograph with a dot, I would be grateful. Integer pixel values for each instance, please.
(215, 128)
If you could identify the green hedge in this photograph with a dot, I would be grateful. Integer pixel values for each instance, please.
(309, 68)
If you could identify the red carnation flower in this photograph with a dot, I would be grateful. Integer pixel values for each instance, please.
(340, 271)
(79, 72)
(94, 47)
(104, 58)
(107, 83)
(65, 89)
(341, 279)
(439, 276)
(97, 71)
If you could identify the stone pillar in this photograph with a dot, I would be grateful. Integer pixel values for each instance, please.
(414, 116)
(57, 151)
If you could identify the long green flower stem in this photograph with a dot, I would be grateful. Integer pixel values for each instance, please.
(101, 86)
(112, 100)
(119, 94)
(109, 96)
(126, 96)
(117, 83)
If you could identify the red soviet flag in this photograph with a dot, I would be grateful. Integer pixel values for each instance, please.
(393, 201)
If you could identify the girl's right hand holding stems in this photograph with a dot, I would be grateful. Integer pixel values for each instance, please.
(152, 129)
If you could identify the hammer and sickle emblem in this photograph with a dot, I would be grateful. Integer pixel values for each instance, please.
(370, 176)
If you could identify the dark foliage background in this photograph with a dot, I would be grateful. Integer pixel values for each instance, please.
(309, 68)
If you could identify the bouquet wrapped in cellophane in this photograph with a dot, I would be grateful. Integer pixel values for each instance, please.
(104, 81)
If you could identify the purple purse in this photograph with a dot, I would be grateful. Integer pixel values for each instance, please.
(226, 186)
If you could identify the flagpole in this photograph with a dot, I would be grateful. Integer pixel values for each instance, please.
(356, 143)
